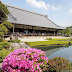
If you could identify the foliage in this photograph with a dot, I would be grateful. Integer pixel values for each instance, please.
(4, 53)
(4, 26)
(5, 44)
(48, 38)
(66, 32)
(25, 60)
(3, 12)
(58, 64)
(27, 43)
(13, 41)
(8, 25)
(1, 47)
(1, 39)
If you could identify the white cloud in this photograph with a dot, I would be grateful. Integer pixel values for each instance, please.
(70, 11)
(38, 4)
(55, 8)
(41, 4)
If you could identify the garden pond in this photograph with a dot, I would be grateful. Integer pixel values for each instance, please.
(65, 52)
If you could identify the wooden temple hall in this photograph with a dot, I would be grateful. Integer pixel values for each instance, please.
(30, 23)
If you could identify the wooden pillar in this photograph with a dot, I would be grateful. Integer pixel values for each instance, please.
(57, 32)
(13, 28)
(54, 32)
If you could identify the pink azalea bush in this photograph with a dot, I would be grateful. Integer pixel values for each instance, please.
(25, 60)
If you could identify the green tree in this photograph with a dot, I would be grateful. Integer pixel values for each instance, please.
(66, 32)
(4, 25)
(3, 12)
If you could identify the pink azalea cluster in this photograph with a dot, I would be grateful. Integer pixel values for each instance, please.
(25, 60)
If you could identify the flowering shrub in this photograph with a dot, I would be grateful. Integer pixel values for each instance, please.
(25, 60)
(58, 64)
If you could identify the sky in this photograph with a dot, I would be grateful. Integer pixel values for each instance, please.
(59, 11)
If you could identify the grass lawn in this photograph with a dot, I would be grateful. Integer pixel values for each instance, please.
(50, 43)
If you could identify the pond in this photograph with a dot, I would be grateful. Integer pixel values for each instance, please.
(65, 52)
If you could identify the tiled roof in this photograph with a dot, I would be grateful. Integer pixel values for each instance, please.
(21, 16)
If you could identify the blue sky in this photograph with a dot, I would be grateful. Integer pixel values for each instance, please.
(59, 11)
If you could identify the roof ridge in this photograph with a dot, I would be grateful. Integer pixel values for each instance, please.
(24, 10)
(54, 23)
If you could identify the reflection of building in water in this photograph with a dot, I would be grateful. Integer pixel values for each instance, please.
(30, 22)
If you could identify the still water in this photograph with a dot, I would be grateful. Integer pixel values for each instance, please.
(65, 52)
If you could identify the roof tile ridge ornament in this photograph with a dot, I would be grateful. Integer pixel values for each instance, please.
(24, 10)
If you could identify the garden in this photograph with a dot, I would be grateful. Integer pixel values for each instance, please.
(33, 59)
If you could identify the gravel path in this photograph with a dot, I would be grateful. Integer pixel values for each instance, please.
(39, 38)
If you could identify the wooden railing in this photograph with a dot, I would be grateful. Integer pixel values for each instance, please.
(33, 34)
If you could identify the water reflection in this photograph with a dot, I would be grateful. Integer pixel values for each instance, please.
(65, 52)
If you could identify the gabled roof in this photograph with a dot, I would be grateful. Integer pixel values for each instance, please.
(21, 16)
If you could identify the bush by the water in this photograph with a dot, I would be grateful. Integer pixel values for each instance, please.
(25, 60)
(13, 41)
(58, 64)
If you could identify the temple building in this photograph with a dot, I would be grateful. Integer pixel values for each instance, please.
(31, 23)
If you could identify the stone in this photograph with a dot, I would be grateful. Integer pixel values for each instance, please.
(18, 45)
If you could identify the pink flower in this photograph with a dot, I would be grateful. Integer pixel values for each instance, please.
(24, 59)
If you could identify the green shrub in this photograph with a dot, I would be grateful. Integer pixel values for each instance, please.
(58, 64)
(48, 38)
(1, 47)
(13, 41)
(1, 40)
(5, 44)
(4, 53)
(27, 43)
(67, 34)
